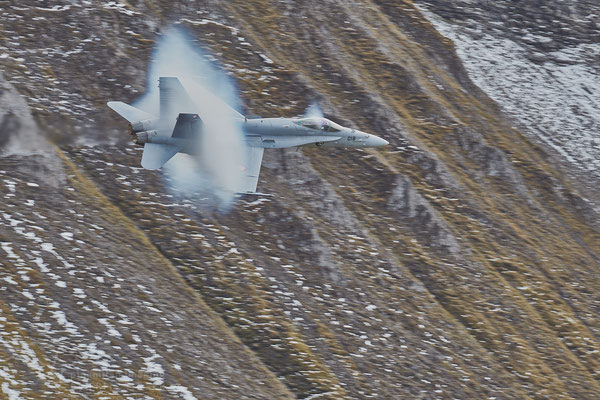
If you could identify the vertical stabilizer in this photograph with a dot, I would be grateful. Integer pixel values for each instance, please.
(173, 100)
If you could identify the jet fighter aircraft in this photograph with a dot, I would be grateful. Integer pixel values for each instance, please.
(179, 127)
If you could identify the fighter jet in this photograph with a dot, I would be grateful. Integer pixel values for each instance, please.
(179, 126)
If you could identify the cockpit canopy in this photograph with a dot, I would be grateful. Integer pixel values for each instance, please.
(321, 124)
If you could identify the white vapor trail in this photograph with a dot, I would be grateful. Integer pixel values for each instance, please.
(216, 171)
(314, 111)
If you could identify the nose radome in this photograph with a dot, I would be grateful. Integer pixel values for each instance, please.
(376, 141)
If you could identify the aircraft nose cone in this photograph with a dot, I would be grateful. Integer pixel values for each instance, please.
(376, 141)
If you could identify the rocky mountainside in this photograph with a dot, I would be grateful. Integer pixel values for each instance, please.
(540, 61)
(460, 261)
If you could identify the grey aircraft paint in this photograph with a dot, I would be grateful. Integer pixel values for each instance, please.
(162, 140)
(292, 132)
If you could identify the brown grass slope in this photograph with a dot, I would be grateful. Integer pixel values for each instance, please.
(458, 262)
(61, 292)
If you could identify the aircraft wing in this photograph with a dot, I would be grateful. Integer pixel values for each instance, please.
(209, 103)
(187, 96)
(254, 157)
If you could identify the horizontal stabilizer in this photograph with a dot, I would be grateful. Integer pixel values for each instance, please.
(128, 112)
(156, 155)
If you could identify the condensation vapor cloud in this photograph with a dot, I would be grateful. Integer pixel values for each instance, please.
(314, 111)
(215, 172)
(20, 135)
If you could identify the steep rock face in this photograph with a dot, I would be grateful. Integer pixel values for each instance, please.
(540, 61)
(562, 23)
(459, 262)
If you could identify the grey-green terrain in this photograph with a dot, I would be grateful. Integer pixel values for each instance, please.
(460, 261)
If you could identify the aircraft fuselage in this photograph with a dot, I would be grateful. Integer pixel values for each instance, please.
(292, 132)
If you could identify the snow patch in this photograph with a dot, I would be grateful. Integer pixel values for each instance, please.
(154, 370)
(182, 391)
(9, 251)
(67, 235)
(10, 280)
(47, 247)
(11, 393)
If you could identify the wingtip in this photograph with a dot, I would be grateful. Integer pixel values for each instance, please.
(112, 104)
